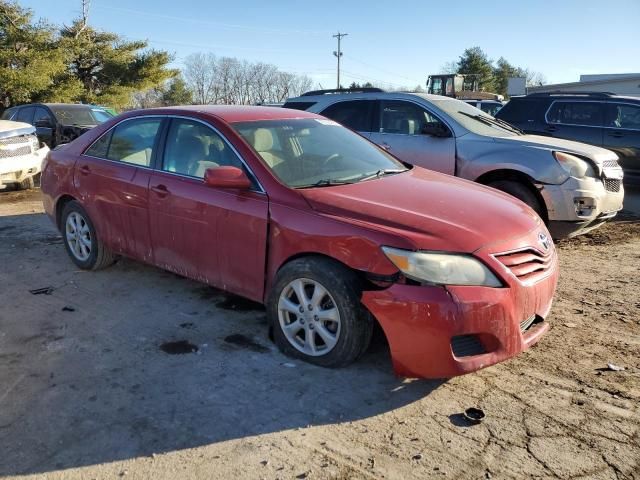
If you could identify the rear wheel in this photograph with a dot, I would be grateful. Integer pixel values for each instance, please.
(522, 192)
(315, 310)
(80, 239)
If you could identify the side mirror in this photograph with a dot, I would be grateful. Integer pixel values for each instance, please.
(435, 130)
(227, 177)
(44, 124)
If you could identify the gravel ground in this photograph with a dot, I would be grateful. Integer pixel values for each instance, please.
(87, 392)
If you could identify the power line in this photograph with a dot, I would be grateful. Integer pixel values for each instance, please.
(338, 54)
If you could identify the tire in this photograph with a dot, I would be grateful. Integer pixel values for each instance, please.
(522, 192)
(27, 184)
(85, 249)
(348, 338)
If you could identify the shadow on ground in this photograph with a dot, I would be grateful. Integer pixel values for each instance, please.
(83, 379)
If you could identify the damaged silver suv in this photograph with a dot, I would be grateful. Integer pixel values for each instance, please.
(574, 187)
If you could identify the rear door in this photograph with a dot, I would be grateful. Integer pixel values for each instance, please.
(401, 133)
(112, 179)
(358, 115)
(622, 135)
(578, 120)
(214, 235)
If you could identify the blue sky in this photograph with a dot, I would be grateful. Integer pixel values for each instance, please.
(391, 43)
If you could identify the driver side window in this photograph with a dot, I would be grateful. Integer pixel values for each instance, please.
(192, 147)
(406, 118)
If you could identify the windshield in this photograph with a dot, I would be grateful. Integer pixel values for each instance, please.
(467, 116)
(316, 152)
(81, 116)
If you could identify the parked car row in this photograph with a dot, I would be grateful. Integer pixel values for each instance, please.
(574, 187)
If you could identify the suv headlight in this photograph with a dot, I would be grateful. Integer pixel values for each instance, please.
(441, 268)
(575, 166)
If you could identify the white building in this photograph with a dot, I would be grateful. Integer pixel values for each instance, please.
(618, 83)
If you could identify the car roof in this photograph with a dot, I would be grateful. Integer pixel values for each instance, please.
(577, 96)
(236, 113)
(359, 95)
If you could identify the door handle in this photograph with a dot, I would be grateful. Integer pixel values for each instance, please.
(385, 146)
(160, 190)
(550, 129)
(85, 170)
(616, 134)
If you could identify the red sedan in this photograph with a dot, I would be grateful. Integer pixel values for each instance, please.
(329, 231)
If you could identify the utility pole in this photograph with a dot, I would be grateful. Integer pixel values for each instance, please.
(339, 53)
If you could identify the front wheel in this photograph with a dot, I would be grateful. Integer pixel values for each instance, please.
(80, 239)
(314, 308)
(27, 184)
(522, 192)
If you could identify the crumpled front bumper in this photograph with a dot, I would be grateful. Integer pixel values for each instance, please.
(424, 323)
(580, 205)
(19, 168)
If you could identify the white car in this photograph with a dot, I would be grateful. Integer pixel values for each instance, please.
(21, 154)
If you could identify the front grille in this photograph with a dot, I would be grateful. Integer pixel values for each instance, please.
(610, 164)
(528, 264)
(16, 146)
(16, 140)
(466, 346)
(612, 184)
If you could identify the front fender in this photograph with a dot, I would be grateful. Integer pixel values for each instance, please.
(479, 157)
(294, 232)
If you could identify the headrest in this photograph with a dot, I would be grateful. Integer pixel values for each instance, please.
(262, 140)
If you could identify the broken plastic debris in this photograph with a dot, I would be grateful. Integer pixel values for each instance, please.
(67, 308)
(42, 291)
(614, 368)
(474, 415)
(288, 365)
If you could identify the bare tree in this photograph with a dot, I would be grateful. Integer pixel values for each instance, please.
(201, 74)
(228, 80)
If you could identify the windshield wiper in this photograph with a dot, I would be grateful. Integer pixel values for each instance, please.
(380, 173)
(325, 182)
(493, 122)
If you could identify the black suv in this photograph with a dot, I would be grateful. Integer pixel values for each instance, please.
(602, 119)
(58, 123)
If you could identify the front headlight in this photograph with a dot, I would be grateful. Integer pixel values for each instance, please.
(441, 268)
(575, 166)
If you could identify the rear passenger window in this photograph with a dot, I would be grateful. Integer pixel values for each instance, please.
(100, 147)
(354, 114)
(133, 141)
(575, 113)
(299, 105)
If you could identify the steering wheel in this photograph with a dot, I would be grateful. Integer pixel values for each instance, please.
(331, 158)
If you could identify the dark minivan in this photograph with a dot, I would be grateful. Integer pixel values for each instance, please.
(602, 119)
(58, 123)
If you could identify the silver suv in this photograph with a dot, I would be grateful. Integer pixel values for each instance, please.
(574, 187)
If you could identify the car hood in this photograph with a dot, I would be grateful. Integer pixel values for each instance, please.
(596, 154)
(10, 128)
(429, 209)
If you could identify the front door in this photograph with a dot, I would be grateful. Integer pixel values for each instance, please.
(622, 135)
(112, 180)
(45, 125)
(213, 235)
(401, 133)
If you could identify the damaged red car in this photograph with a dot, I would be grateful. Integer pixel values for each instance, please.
(326, 229)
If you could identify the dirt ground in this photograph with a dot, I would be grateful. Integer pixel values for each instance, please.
(86, 392)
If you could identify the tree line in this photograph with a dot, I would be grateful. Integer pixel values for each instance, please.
(43, 62)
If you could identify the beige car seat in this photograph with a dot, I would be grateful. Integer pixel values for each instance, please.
(263, 143)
